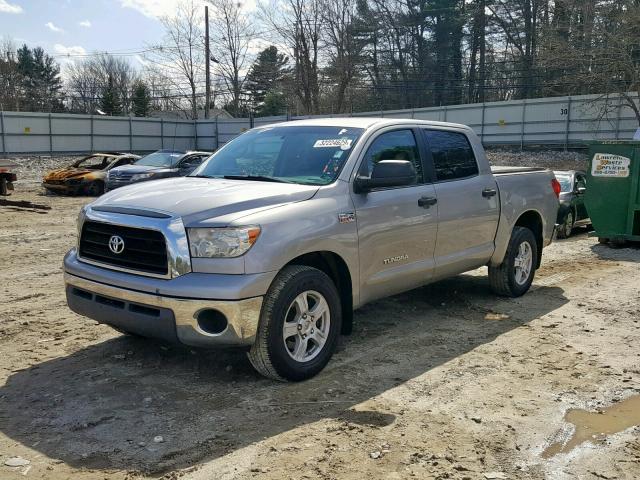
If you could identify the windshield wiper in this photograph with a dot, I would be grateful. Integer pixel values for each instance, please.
(257, 178)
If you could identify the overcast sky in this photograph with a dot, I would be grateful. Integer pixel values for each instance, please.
(79, 26)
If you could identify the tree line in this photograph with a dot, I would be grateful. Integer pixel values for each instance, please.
(338, 56)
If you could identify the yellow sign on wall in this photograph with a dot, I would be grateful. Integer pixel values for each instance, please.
(27, 129)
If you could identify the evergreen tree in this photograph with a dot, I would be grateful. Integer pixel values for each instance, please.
(266, 75)
(274, 103)
(41, 82)
(141, 99)
(110, 100)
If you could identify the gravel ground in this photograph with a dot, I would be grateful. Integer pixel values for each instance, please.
(447, 381)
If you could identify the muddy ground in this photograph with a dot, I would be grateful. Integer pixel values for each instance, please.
(428, 386)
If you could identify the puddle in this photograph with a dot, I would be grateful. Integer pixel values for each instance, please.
(595, 426)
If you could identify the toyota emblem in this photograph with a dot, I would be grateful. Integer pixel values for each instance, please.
(116, 244)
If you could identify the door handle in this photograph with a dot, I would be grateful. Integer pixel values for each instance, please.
(426, 202)
(489, 192)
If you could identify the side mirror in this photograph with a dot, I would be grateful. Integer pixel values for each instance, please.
(387, 173)
(581, 190)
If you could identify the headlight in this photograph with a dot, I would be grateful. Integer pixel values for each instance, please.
(141, 176)
(221, 242)
(81, 217)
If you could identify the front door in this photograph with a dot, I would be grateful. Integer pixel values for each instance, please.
(581, 210)
(396, 226)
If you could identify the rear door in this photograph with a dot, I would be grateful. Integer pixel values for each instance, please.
(396, 234)
(468, 203)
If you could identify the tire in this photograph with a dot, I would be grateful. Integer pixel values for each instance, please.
(295, 287)
(567, 225)
(95, 188)
(506, 279)
(4, 187)
(603, 240)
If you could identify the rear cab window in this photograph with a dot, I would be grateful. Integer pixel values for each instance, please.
(452, 154)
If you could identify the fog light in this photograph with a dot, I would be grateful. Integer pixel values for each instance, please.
(212, 321)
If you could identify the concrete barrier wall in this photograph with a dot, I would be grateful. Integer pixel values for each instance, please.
(558, 121)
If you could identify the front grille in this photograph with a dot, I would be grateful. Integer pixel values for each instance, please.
(120, 179)
(144, 250)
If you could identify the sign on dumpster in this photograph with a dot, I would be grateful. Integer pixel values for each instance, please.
(609, 165)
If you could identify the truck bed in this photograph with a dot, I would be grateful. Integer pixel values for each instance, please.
(499, 170)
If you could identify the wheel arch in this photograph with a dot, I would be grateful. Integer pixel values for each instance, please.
(337, 269)
(532, 220)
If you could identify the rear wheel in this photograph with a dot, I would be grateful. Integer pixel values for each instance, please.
(564, 231)
(514, 275)
(299, 325)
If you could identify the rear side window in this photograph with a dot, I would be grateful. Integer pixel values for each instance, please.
(452, 154)
(394, 145)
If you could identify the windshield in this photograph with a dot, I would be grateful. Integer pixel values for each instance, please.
(565, 183)
(160, 159)
(308, 155)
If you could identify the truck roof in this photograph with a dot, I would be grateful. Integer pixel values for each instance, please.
(366, 122)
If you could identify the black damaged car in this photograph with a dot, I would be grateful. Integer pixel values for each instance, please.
(572, 212)
(160, 164)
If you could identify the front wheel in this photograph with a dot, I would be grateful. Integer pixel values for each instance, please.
(4, 186)
(513, 277)
(299, 325)
(95, 188)
(564, 230)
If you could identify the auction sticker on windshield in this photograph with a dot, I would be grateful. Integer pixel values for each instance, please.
(609, 165)
(343, 143)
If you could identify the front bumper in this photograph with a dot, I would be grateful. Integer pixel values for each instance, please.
(63, 187)
(166, 318)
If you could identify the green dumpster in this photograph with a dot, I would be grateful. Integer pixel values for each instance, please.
(613, 194)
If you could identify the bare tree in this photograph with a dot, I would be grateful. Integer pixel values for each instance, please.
(10, 76)
(342, 45)
(232, 34)
(600, 57)
(298, 24)
(180, 56)
(87, 79)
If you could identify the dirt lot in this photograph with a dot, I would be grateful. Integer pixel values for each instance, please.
(428, 385)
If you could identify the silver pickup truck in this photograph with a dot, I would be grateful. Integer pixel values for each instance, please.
(274, 240)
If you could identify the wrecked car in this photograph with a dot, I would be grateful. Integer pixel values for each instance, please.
(160, 164)
(87, 175)
(7, 177)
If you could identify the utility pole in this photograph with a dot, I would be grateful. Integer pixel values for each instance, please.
(206, 56)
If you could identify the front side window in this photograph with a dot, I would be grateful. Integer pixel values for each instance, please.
(581, 181)
(394, 145)
(452, 154)
(121, 162)
(192, 161)
(310, 155)
(93, 162)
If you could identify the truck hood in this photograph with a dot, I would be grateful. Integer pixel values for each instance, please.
(206, 199)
